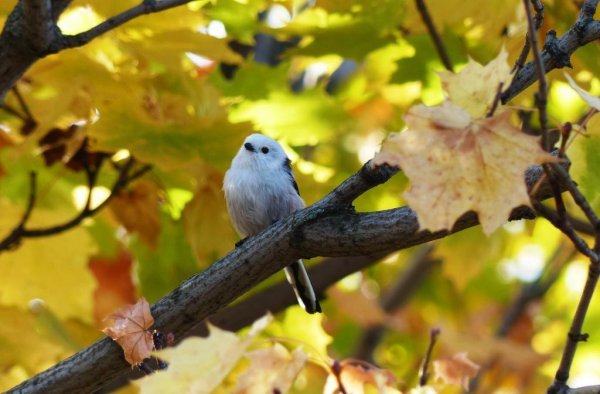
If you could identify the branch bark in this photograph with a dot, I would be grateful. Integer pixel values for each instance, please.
(320, 229)
(557, 51)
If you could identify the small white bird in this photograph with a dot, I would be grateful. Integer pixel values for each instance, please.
(260, 189)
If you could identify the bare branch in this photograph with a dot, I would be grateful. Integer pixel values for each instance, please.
(538, 19)
(424, 368)
(21, 231)
(435, 36)
(541, 97)
(557, 51)
(146, 7)
(575, 335)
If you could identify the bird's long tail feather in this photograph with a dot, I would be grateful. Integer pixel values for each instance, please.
(297, 276)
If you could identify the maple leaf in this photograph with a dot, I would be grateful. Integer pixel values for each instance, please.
(457, 370)
(456, 164)
(199, 365)
(475, 87)
(353, 375)
(130, 330)
(592, 101)
(272, 370)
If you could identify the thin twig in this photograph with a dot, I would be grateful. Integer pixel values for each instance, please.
(557, 51)
(496, 102)
(14, 237)
(575, 335)
(541, 97)
(424, 369)
(538, 19)
(566, 228)
(24, 107)
(435, 35)
(578, 197)
(21, 231)
(145, 7)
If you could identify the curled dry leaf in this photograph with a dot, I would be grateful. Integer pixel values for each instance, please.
(456, 370)
(592, 101)
(130, 328)
(354, 375)
(272, 370)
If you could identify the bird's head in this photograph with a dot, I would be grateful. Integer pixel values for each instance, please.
(259, 152)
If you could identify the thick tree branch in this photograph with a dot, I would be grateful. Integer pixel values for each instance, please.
(557, 51)
(39, 25)
(307, 233)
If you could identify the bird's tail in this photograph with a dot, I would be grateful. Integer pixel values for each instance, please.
(298, 278)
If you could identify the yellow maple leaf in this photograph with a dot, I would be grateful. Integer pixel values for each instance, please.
(198, 365)
(272, 370)
(130, 329)
(475, 86)
(457, 164)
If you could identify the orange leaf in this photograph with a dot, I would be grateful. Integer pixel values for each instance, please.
(115, 283)
(457, 370)
(138, 211)
(130, 330)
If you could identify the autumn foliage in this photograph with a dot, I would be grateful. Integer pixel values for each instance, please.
(113, 148)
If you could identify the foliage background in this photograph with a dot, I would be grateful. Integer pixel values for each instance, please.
(137, 91)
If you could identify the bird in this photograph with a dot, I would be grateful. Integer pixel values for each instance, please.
(260, 189)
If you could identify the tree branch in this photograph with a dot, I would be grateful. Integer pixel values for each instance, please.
(307, 233)
(39, 25)
(557, 51)
(144, 8)
(538, 19)
(21, 231)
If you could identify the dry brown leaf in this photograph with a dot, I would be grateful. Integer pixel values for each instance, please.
(592, 101)
(138, 211)
(355, 374)
(272, 370)
(130, 328)
(457, 164)
(456, 370)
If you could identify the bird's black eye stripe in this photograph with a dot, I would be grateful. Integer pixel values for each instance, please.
(264, 150)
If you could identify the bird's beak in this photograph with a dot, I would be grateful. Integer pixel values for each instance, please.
(249, 147)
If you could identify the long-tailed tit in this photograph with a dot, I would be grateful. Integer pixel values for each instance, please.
(260, 189)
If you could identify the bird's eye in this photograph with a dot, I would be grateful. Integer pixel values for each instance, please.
(264, 150)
